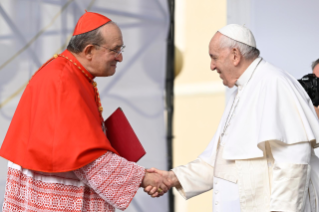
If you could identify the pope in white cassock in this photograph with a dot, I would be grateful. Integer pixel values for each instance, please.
(262, 157)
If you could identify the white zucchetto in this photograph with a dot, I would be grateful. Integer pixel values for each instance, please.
(239, 33)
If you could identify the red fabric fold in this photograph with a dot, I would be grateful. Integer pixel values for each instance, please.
(56, 126)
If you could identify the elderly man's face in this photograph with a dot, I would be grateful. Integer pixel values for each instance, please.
(221, 61)
(105, 58)
(316, 70)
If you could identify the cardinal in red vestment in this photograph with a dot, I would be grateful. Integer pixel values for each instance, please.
(59, 157)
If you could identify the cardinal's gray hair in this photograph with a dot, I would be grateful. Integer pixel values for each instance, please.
(79, 42)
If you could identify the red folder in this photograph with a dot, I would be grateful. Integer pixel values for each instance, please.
(122, 136)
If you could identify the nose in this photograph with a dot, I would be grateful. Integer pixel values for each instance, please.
(119, 57)
(212, 65)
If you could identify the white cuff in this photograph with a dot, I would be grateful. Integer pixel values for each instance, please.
(195, 178)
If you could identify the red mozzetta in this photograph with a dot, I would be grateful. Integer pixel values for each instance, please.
(57, 124)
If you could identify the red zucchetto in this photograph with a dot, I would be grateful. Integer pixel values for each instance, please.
(89, 21)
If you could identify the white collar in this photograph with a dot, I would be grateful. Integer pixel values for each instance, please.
(244, 78)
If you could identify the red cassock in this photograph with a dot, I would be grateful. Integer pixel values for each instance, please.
(57, 124)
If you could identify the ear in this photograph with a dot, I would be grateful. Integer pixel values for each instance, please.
(236, 56)
(89, 51)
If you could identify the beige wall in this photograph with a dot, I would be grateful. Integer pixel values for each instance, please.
(199, 93)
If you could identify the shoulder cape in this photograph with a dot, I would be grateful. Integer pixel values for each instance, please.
(56, 126)
(272, 106)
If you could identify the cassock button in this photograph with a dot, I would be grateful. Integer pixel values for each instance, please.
(216, 203)
(216, 192)
(216, 182)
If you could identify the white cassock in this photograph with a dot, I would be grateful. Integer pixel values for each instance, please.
(261, 157)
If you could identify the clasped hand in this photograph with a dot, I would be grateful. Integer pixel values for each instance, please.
(157, 182)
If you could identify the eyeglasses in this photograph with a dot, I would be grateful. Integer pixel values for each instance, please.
(116, 52)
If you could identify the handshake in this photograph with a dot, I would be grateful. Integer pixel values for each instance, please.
(157, 182)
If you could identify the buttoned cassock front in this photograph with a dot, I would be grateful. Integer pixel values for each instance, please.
(261, 157)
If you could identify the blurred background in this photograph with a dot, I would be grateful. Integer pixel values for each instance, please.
(164, 85)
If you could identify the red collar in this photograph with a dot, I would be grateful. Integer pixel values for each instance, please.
(69, 56)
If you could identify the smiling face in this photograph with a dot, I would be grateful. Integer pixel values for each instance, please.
(105, 58)
(223, 60)
(101, 59)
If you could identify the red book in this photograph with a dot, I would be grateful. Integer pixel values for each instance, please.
(122, 136)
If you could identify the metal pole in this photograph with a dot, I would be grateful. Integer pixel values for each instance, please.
(170, 94)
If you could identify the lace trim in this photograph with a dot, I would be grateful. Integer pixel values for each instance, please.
(114, 178)
(112, 182)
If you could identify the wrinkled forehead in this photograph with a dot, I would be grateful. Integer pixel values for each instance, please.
(112, 33)
(111, 29)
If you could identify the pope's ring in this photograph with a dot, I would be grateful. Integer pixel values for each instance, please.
(159, 190)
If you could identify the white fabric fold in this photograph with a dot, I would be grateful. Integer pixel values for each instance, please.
(271, 106)
(289, 187)
(291, 176)
(195, 178)
(225, 169)
(296, 153)
(314, 163)
(64, 178)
